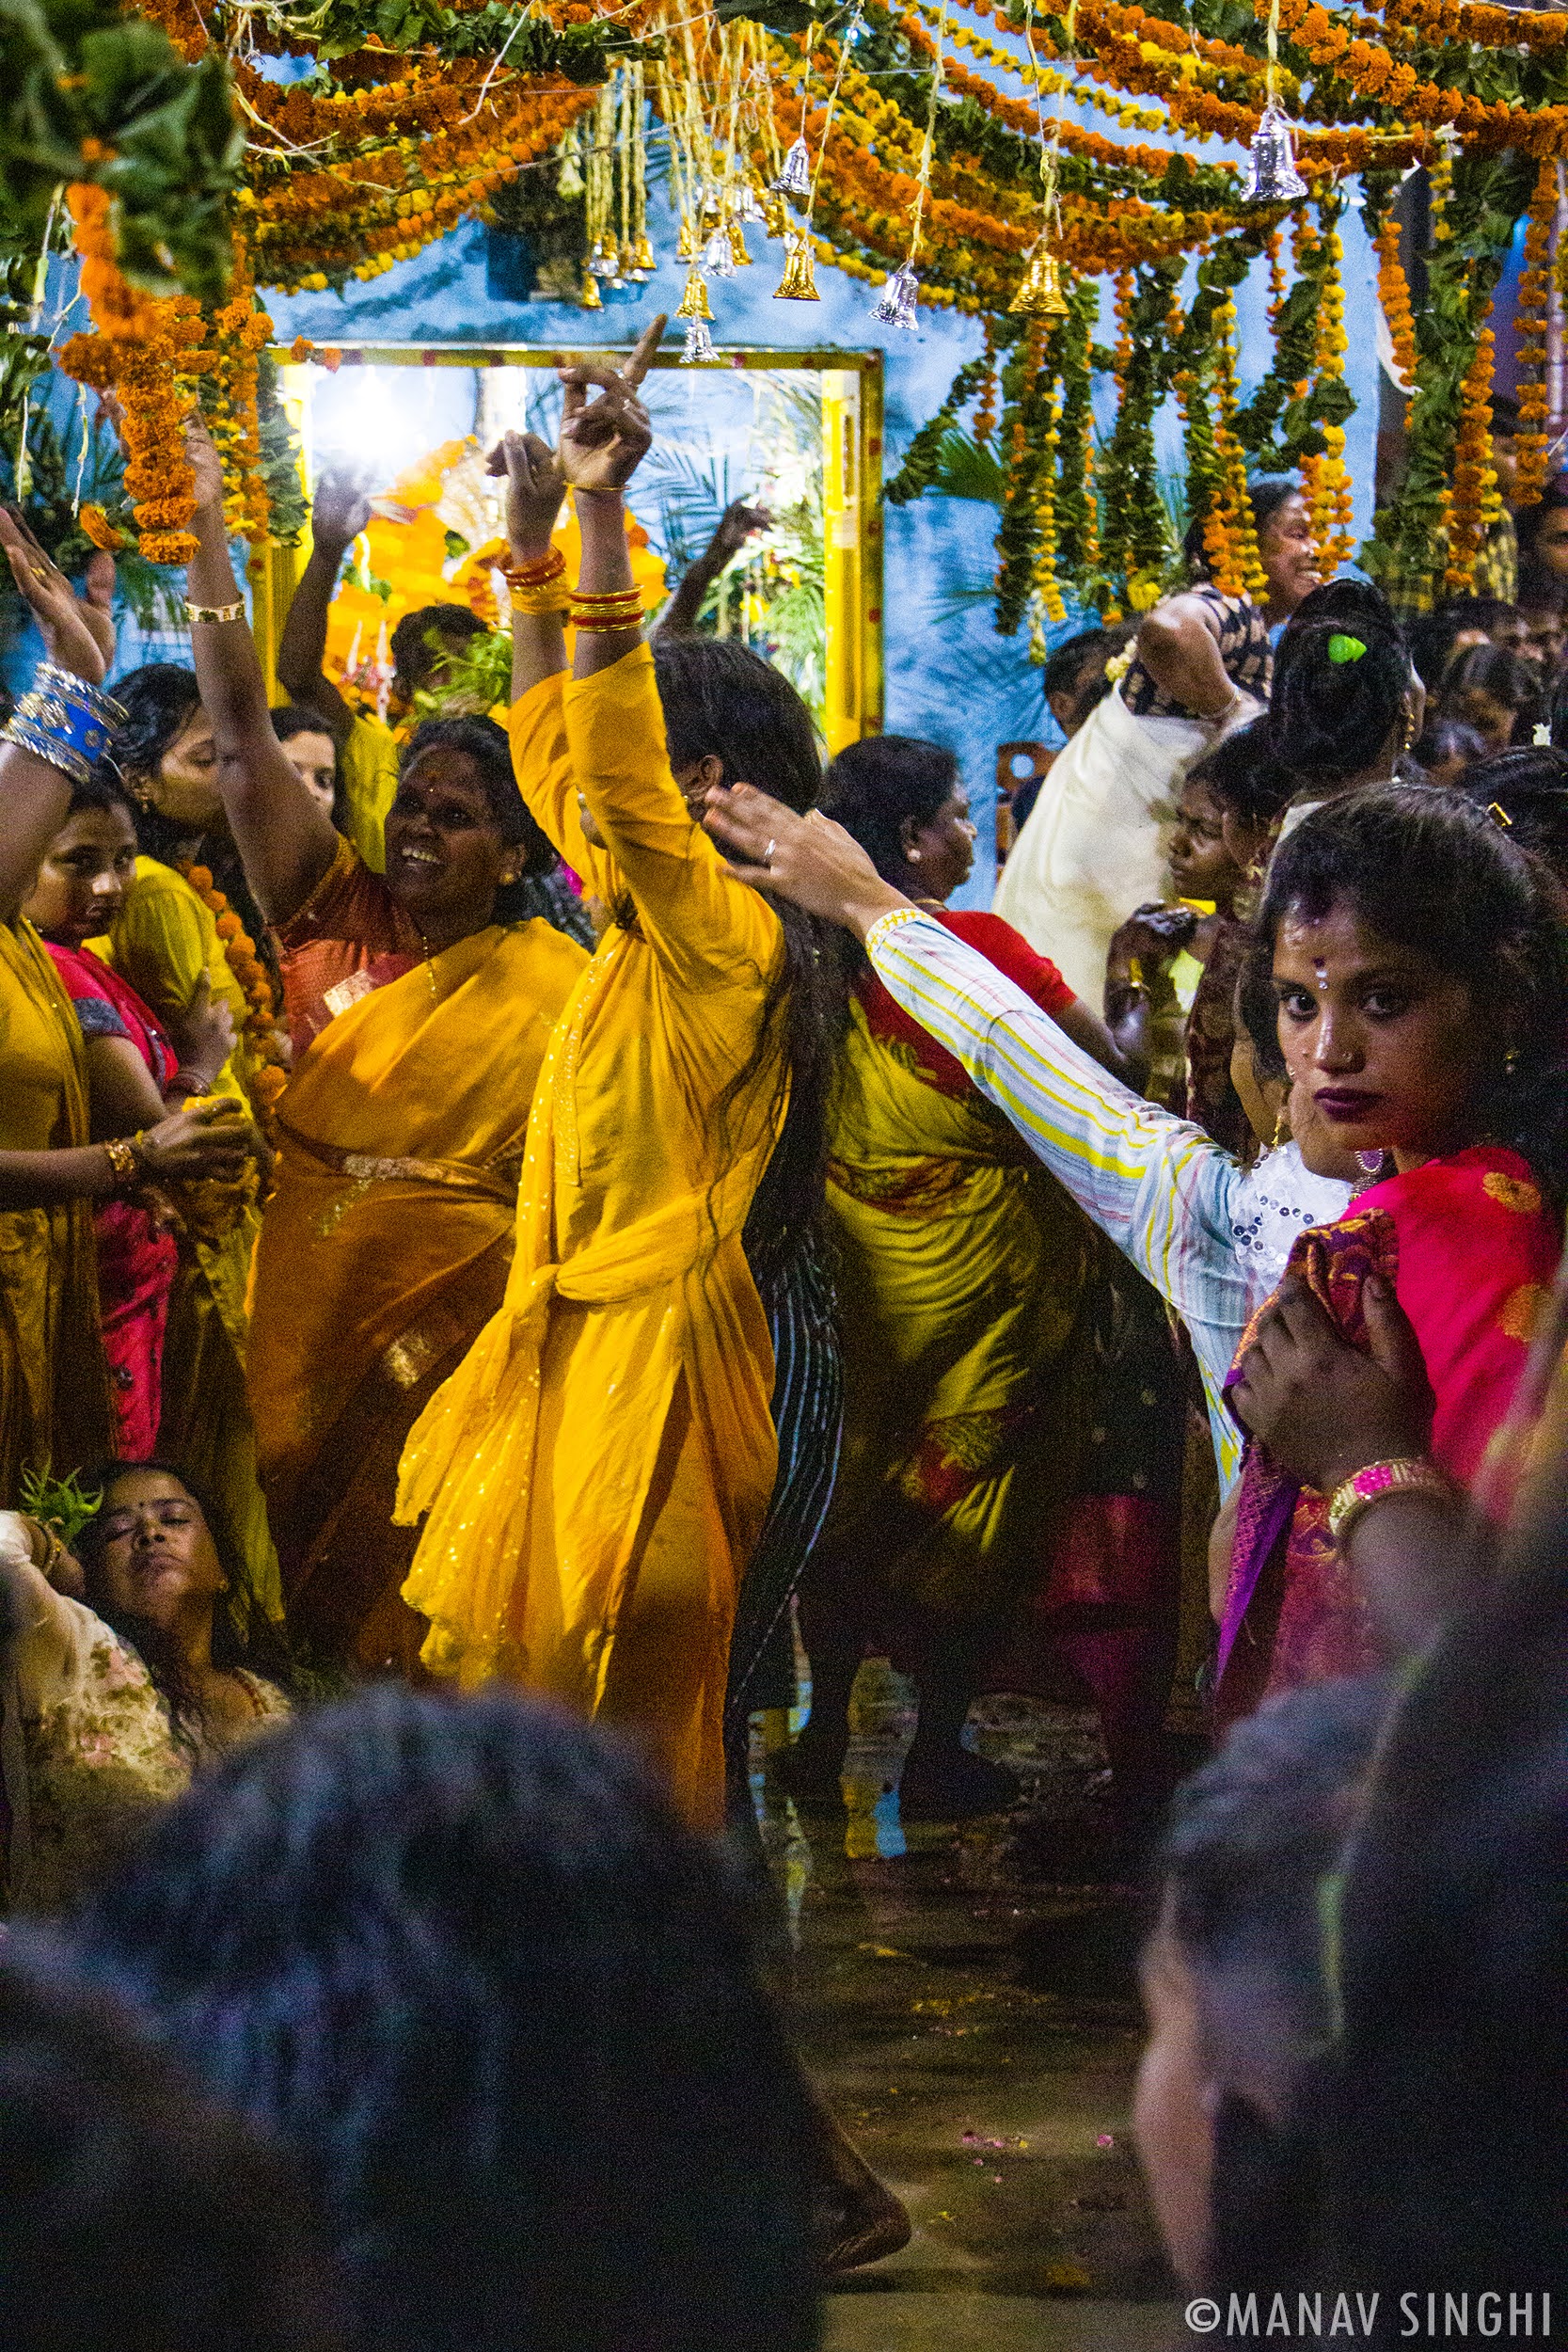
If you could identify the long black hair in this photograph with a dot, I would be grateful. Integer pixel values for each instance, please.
(484, 743)
(1332, 709)
(460, 1956)
(1508, 677)
(1527, 791)
(245, 1638)
(1427, 869)
(876, 787)
(723, 700)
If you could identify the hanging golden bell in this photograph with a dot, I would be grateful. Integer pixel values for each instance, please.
(1041, 294)
(694, 302)
(646, 260)
(685, 244)
(775, 213)
(799, 282)
(589, 296)
(738, 254)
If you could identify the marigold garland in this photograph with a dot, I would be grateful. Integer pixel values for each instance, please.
(1230, 534)
(1393, 293)
(1325, 480)
(1472, 470)
(143, 345)
(268, 1075)
(1530, 328)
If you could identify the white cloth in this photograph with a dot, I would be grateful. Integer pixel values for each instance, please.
(1091, 848)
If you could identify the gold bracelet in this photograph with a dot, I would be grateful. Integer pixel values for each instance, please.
(216, 612)
(889, 922)
(124, 1159)
(1366, 1486)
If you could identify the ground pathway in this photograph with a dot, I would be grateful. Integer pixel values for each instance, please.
(967, 2002)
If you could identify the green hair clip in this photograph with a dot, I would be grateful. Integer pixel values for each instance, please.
(1345, 648)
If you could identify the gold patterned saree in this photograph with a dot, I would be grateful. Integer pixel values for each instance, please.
(384, 1252)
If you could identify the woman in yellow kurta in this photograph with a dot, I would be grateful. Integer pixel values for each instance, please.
(419, 1003)
(598, 1472)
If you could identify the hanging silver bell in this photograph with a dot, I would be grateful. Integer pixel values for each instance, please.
(897, 307)
(1271, 176)
(717, 258)
(795, 178)
(699, 352)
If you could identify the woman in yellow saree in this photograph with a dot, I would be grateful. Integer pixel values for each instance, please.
(960, 1262)
(53, 1385)
(420, 1008)
(597, 1474)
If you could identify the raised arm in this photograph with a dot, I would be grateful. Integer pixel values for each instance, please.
(736, 524)
(338, 515)
(35, 791)
(1179, 646)
(284, 837)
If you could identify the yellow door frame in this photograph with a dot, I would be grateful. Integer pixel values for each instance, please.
(852, 501)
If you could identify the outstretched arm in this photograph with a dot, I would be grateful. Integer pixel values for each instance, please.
(338, 515)
(285, 839)
(1158, 1187)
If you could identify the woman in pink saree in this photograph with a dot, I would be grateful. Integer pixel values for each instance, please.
(1418, 964)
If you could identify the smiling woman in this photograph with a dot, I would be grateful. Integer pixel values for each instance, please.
(420, 1004)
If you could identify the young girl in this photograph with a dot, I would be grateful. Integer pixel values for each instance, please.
(1420, 974)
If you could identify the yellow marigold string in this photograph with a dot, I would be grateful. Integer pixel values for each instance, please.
(1330, 499)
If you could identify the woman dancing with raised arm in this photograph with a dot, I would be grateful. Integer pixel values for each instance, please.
(420, 1006)
(597, 1474)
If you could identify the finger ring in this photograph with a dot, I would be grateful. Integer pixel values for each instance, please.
(41, 571)
(767, 853)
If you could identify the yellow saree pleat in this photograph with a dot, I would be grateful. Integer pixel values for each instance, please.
(385, 1249)
(54, 1386)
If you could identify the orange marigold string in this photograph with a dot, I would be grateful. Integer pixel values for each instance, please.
(1472, 470)
(260, 1025)
(1530, 329)
(142, 347)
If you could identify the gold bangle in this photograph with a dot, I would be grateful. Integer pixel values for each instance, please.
(216, 612)
(1366, 1486)
(124, 1158)
(538, 602)
(886, 923)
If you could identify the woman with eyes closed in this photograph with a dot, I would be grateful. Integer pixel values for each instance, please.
(1418, 966)
(419, 1003)
(136, 1665)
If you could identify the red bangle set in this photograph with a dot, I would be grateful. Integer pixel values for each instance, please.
(535, 575)
(616, 608)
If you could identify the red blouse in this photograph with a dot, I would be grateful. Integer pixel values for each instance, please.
(1000, 944)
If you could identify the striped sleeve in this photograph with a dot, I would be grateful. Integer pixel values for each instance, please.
(1163, 1190)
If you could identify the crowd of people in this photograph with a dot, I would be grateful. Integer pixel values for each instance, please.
(504, 1228)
